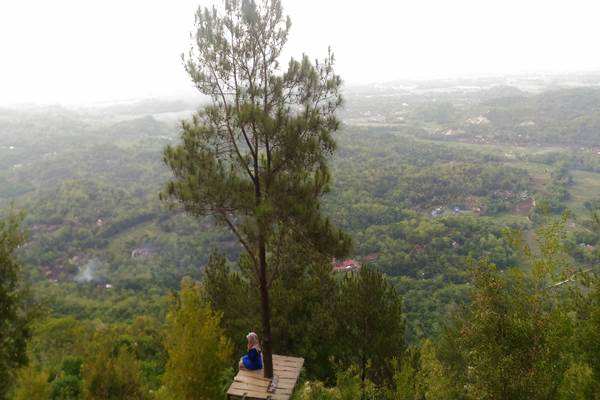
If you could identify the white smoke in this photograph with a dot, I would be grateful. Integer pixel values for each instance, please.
(89, 271)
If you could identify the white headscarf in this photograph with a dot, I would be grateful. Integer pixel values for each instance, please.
(253, 341)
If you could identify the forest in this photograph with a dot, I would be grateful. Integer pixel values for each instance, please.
(473, 216)
(438, 217)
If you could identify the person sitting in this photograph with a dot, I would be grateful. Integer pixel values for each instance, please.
(253, 359)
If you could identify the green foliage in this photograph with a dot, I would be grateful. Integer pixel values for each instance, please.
(379, 175)
(423, 376)
(146, 335)
(32, 384)
(232, 294)
(349, 386)
(511, 340)
(15, 307)
(68, 384)
(304, 298)
(256, 158)
(440, 113)
(579, 384)
(67, 387)
(90, 183)
(371, 324)
(565, 116)
(556, 195)
(316, 391)
(111, 373)
(406, 385)
(199, 353)
(304, 311)
(122, 231)
(73, 353)
(315, 316)
(588, 331)
(58, 341)
(72, 366)
(251, 153)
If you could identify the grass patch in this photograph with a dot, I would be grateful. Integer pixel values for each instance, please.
(586, 187)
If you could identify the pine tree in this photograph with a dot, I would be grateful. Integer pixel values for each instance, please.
(199, 353)
(233, 294)
(587, 335)
(423, 376)
(256, 157)
(15, 313)
(112, 372)
(513, 337)
(304, 299)
(370, 311)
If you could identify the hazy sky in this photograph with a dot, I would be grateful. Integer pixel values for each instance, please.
(72, 51)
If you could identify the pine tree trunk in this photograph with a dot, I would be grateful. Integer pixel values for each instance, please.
(265, 311)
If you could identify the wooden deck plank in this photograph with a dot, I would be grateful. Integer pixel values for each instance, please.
(253, 384)
(247, 386)
(283, 373)
(286, 368)
(252, 395)
(284, 383)
(288, 360)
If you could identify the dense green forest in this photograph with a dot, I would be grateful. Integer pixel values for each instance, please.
(102, 251)
(474, 216)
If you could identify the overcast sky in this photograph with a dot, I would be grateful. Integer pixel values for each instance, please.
(83, 51)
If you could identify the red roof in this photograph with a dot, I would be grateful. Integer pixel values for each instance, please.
(346, 265)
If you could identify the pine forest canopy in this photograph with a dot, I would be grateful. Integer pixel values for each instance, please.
(257, 157)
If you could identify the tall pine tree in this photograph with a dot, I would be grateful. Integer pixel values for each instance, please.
(370, 310)
(256, 157)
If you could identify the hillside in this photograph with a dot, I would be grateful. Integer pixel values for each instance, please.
(417, 205)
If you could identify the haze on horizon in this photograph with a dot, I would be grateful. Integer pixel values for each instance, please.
(80, 52)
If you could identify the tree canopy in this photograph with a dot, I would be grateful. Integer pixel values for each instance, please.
(14, 308)
(256, 158)
(198, 350)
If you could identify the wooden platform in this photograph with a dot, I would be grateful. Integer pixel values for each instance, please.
(252, 385)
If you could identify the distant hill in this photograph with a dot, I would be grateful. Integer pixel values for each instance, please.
(144, 126)
(564, 117)
(150, 106)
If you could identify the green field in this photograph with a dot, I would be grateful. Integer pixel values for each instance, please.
(586, 187)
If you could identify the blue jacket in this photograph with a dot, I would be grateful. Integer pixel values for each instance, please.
(252, 360)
